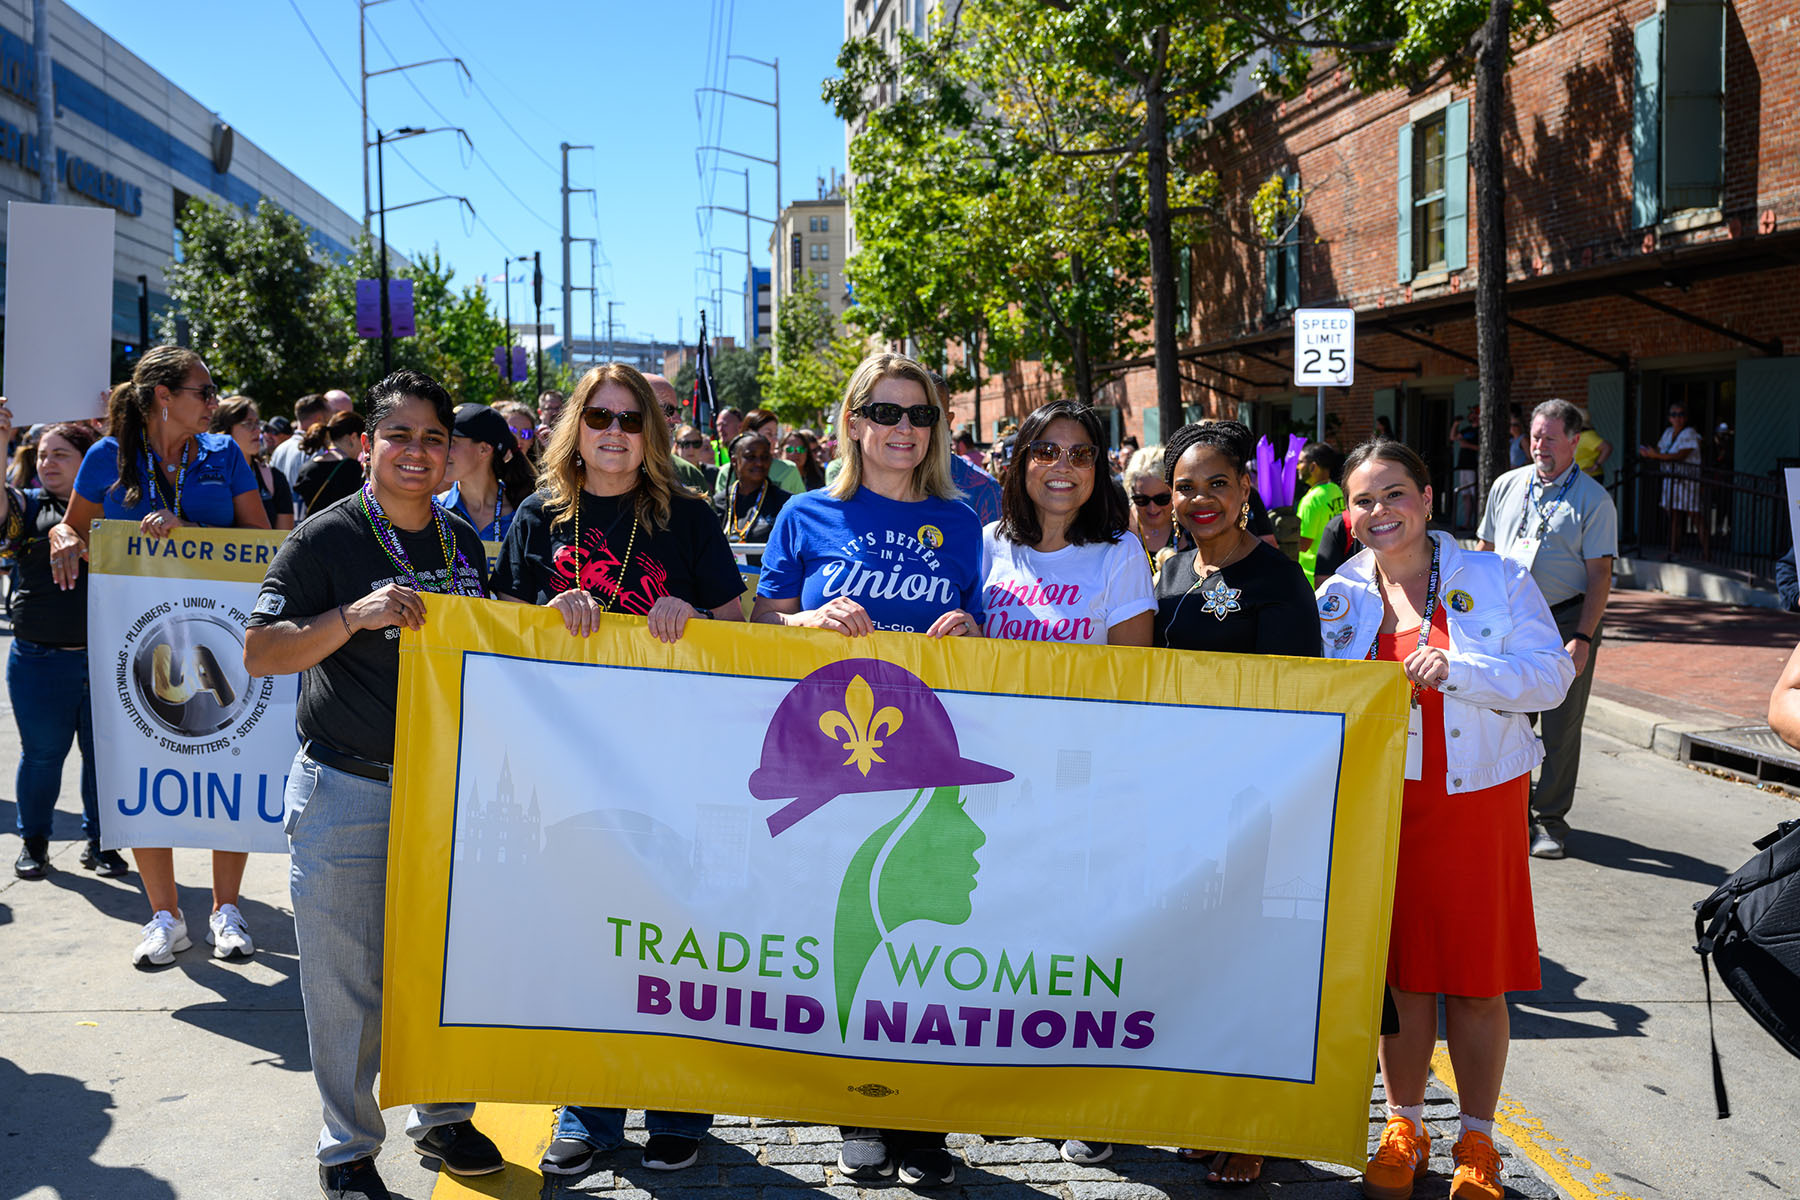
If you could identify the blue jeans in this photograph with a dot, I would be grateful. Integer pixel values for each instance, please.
(604, 1128)
(337, 827)
(49, 691)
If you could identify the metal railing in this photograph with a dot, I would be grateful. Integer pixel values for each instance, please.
(1711, 517)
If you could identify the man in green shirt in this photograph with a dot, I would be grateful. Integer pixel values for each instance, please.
(1324, 499)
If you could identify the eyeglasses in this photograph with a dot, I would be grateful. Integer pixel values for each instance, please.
(524, 435)
(692, 443)
(922, 416)
(209, 393)
(796, 448)
(1080, 457)
(602, 419)
(670, 411)
(1140, 500)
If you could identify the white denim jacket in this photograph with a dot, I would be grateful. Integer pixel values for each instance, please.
(1506, 658)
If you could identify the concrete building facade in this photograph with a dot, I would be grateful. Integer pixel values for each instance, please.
(128, 138)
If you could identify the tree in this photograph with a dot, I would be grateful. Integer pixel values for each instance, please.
(816, 361)
(259, 302)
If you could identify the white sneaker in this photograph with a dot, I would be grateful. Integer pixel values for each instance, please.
(229, 936)
(164, 937)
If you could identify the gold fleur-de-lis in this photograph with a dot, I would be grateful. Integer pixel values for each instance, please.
(860, 732)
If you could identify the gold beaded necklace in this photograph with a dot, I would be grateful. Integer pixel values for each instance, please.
(624, 566)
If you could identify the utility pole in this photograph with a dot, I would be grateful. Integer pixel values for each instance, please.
(567, 289)
(610, 305)
(568, 318)
(46, 101)
(387, 340)
(364, 74)
(537, 300)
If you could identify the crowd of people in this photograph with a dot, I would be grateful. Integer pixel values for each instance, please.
(605, 502)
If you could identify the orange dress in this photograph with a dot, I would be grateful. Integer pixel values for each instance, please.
(1463, 923)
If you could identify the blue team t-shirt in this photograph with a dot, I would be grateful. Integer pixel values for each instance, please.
(216, 475)
(906, 562)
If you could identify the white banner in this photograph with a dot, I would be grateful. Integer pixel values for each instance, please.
(192, 751)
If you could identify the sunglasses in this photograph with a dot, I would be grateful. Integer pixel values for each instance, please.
(1140, 500)
(922, 416)
(208, 394)
(602, 419)
(524, 435)
(796, 448)
(1046, 453)
(670, 411)
(692, 443)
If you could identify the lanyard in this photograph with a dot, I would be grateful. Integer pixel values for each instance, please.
(1544, 511)
(1431, 595)
(161, 488)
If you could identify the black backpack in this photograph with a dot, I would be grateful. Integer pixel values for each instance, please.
(1750, 929)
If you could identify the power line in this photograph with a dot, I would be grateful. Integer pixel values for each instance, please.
(476, 83)
(479, 156)
(348, 90)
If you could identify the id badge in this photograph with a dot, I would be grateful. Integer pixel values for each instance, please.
(1415, 742)
(1523, 552)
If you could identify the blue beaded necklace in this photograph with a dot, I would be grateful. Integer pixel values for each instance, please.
(390, 542)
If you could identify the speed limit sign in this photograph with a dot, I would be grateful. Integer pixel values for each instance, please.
(1324, 347)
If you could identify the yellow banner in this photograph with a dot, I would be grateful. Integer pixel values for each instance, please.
(1129, 895)
(232, 555)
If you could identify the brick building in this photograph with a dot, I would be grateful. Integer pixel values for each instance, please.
(1653, 233)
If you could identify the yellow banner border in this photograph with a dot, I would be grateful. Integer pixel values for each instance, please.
(1326, 1119)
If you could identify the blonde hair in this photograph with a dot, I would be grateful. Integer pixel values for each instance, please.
(932, 476)
(1146, 463)
(561, 475)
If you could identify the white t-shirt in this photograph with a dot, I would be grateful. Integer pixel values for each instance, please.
(1070, 595)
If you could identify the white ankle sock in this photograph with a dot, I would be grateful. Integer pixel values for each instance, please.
(1477, 1124)
(1412, 1112)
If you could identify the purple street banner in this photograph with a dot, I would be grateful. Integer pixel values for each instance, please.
(891, 881)
(400, 308)
(190, 750)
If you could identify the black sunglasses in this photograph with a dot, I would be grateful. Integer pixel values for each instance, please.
(691, 443)
(670, 411)
(602, 419)
(1046, 453)
(922, 416)
(1143, 501)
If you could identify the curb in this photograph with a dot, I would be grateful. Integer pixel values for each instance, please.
(1639, 727)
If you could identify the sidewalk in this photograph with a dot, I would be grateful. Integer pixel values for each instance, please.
(1670, 665)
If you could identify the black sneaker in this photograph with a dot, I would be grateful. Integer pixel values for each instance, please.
(1086, 1154)
(352, 1181)
(670, 1152)
(864, 1157)
(568, 1156)
(33, 860)
(90, 856)
(929, 1166)
(461, 1148)
(112, 865)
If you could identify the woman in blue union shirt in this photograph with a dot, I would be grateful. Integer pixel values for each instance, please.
(163, 470)
(888, 544)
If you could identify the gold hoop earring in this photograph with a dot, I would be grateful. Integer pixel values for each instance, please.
(1244, 516)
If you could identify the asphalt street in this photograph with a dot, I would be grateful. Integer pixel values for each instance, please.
(193, 1081)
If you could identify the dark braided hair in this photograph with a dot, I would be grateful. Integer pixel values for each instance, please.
(1232, 439)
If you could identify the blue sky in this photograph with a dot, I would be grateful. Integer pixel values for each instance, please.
(618, 76)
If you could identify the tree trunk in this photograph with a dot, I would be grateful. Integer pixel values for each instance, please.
(1162, 252)
(1492, 350)
(1080, 346)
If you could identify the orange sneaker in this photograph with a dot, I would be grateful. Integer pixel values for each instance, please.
(1477, 1168)
(1399, 1162)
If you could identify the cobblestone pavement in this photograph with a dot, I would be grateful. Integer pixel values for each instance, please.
(750, 1159)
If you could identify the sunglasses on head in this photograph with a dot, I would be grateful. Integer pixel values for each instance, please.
(602, 419)
(1046, 453)
(1140, 500)
(922, 416)
(692, 443)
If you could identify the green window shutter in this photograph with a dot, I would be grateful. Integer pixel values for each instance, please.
(1646, 125)
(1768, 414)
(1693, 94)
(1271, 278)
(1290, 261)
(1403, 172)
(1386, 403)
(1456, 186)
(1464, 395)
(1606, 411)
(1152, 426)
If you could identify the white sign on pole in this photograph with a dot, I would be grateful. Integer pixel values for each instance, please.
(59, 293)
(1324, 347)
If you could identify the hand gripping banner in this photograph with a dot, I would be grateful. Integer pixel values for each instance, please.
(1002, 887)
(191, 751)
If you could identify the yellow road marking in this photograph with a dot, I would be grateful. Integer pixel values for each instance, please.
(522, 1131)
(1572, 1174)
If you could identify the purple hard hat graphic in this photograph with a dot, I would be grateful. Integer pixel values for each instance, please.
(860, 725)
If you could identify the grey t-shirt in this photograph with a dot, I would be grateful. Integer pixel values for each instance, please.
(1572, 517)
